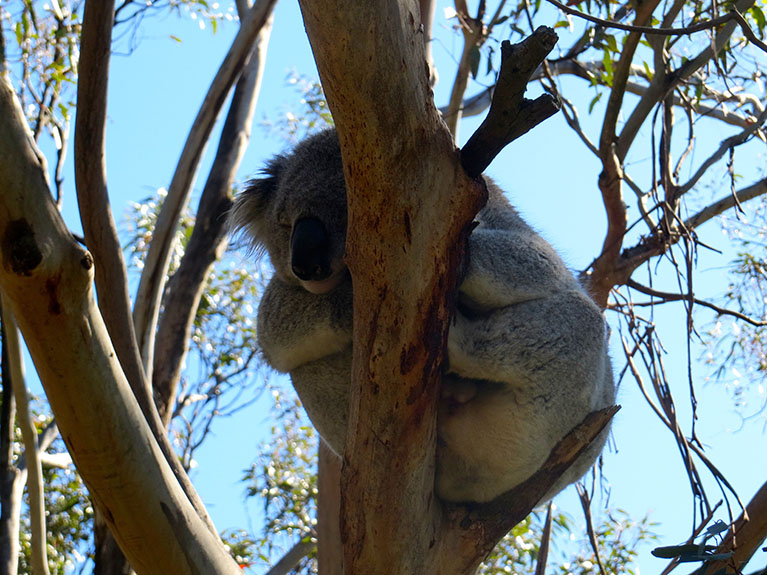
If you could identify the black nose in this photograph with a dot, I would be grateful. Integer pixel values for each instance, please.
(310, 250)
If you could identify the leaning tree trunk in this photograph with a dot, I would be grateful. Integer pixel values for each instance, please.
(411, 204)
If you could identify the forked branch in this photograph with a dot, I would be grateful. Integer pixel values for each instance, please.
(511, 114)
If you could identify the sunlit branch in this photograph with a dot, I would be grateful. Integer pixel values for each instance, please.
(474, 35)
(724, 204)
(93, 199)
(208, 239)
(669, 297)
(726, 145)
(733, 15)
(292, 557)
(157, 261)
(35, 488)
(665, 81)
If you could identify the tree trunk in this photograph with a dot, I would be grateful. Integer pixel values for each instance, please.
(329, 551)
(11, 483)
(108, 558)
(47, 278)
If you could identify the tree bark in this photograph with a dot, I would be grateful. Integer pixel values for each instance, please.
(410, 209)
(11, 481)
(47, 277)
(209, 237)
(108, 558)
(35, 492)
(330, 557)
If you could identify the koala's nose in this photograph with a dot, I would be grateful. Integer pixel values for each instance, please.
(310, 250)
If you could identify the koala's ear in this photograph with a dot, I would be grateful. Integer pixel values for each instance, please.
(251, 204)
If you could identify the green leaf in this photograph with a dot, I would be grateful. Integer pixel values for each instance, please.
(607, 61)
(474, 58)
(611, 42)
(594, 101)
(647, 70)
(758, 15)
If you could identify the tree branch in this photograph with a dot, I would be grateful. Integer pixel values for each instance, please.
(329, 550)
(726, 145)
(684, 31)
(100, 231)
(290, 560)
(744, 537)
(667, 296)
(29, 436)
(47, 278)
(410, 209)
(665, 81)
(631, 258)
(473, 37)
(111, 277)
(151, 285)
(726, 203)
(11, 480)
(208, 239)
(477, 528)
(589, 71)
(511, 114)
(602, 276)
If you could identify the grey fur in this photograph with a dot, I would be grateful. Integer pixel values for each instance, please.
(527, 349)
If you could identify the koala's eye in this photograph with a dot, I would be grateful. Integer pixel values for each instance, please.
(283, 221)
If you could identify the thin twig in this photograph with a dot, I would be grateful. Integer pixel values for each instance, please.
(667, 296)
(726, 145)
(543, 549)
(684, 31)
(586, 505)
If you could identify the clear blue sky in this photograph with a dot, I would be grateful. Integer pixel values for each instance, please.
(154, 96)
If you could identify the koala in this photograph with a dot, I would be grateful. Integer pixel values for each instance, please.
(527, 348)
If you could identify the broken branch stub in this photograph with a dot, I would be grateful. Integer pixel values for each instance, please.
(511, 114)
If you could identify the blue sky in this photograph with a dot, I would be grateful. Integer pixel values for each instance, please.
(154, 96)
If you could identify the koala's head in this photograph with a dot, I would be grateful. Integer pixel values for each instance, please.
(297, 213)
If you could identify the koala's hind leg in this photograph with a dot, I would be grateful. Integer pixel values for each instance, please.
(508, 266)
(532, 344)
